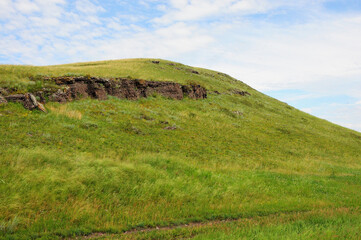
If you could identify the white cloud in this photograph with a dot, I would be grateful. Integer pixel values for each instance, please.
(270, 57)
(87, 7)
(26, 6)
(348, 116)
(252, 6)
(191, 10)
(167, 42)
(35, 35)
(183, 10)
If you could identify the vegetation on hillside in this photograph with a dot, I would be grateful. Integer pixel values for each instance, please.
(93, 166)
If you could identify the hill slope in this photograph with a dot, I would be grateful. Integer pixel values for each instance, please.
(109, 166)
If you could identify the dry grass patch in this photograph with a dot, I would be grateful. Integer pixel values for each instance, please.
(65, 111)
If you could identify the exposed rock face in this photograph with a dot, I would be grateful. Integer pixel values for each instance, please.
(74, 88)
(135, 89)
(100, 88)
(28, 100)
(61, 96)
(22, 98)
(195, 91)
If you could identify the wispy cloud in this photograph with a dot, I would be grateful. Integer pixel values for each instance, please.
(192, 10)
(87, 7)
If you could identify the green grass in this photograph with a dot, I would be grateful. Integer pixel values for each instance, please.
(110, 166)
(330, 224)
(18, 77)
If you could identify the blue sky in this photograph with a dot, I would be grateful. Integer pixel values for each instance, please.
(306, 53)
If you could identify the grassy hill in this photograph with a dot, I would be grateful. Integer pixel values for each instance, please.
(101, 168)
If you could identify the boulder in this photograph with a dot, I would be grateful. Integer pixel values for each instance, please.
(34, 103)
(41, 107)
(28, 100)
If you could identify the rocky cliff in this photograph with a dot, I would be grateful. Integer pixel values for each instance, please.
(73, 88)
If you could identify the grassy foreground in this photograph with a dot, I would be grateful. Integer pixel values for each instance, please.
(110, 166)
(325, 224)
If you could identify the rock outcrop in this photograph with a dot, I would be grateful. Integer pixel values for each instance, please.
(73, 88)
(28, 100)
(194, 91)
(100, 88)
(242, 93)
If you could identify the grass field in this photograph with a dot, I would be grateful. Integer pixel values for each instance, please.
(109, 166)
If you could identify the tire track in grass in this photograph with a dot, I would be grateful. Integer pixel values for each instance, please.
(279, 217)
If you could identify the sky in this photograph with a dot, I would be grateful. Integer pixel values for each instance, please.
(303, 52)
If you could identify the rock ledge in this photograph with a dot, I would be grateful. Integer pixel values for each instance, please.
(73, 88)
